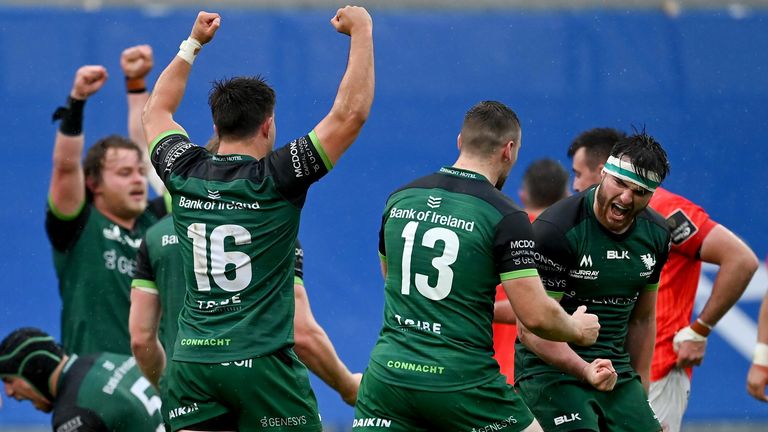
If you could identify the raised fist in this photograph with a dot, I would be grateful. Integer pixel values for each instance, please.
(351, 18)
(88, 80)
(205, 26)
(137, 61)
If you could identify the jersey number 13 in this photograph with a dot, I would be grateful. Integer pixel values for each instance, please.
(441, 263)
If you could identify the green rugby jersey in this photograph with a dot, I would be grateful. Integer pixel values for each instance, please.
(236, 219)
(105, 392)
(95, 260)
(448, 239)
(582, 263)
(159, 271)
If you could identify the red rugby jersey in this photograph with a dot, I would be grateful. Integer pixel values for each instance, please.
(689, 225)
(504, 342)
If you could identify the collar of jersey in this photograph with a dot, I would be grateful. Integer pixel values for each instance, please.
(462, 173)
(226, 157)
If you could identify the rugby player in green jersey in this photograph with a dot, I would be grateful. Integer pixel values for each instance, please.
(236, 215)
(97, 212)
(99, 392)
(446, 241)
(605, 248)
(157, 296)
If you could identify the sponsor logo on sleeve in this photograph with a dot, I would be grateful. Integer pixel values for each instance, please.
(681, 227)
(70, 425)
(178, 149)
(304, 159)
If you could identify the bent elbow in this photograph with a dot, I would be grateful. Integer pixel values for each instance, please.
(535, 323)
(750, 263)
(140, 342)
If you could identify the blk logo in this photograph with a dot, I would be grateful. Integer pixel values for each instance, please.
(617, 255)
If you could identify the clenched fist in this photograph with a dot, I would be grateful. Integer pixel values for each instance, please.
(351, 18)
(137, 61)
(88, 80)
(205, 26)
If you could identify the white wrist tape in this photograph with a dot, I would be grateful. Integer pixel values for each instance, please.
(760, 357)
(188, 49)
(686, 334)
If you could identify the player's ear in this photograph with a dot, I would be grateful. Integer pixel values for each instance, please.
(267, 125)
(509, 151)
(91, 184)
(458, 142)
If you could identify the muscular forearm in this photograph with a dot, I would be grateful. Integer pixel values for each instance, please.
(67, 188)
(166, 97)
(730, 283)
(641, 337)
(136, 103)
(315, 350)
(549, 321)
(762, 322)
(503, 312)
(557, 354)
(355, 93)
(150, 357)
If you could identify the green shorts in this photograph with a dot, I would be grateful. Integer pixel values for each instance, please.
(493, 406)
(563, 403)
(265, 393)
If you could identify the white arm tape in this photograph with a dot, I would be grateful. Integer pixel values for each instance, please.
(686, 334)
(760, 356)
(188, 49)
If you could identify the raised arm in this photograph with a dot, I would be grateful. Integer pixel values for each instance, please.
(737, 265)
(136, 63)
(339, 129)
(66, 193)
(172, 83)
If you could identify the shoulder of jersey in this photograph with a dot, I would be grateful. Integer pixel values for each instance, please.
(565, 211)
(655, 217)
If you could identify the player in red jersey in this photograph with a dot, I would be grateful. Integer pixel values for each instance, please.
(545, 182)
(696, 238)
